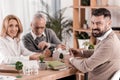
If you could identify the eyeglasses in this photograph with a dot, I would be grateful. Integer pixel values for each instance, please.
(38, 27)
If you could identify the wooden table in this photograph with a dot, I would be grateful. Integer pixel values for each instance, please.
(44, 74)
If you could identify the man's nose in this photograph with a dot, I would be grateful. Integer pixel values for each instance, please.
(94, 26)
(41, 30)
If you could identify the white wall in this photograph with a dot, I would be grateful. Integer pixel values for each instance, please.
(69, 15)
(67, 3)
(24, 9)
(114, 11)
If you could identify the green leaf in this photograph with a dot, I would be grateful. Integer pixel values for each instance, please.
(41, 58)
(18, 65)
(57, 22)
(91, 46)
(83, 35)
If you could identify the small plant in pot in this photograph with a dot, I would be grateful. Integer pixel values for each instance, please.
(88, 46)
(83, 39)
(42, 64)
(18, 67)
(91, 46)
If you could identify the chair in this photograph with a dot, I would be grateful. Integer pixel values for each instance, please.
(116, 76)
(79, 76)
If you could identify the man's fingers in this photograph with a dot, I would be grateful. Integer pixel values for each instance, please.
(42, 45)
(71, 53)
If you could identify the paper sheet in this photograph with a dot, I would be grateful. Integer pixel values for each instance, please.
(2, 77)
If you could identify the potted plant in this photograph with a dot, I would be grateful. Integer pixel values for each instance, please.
(88, 46)
(91, 46)
(85, 25)
(83, 39)
(42, 64)
(57, 22)
(18, 67)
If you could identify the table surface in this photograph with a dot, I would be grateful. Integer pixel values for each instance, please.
(42, 75)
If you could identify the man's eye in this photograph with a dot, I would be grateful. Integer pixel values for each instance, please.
(92, 22)
(98, 23)
(41, 27)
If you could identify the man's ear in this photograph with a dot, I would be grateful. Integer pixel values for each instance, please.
(31, 25)
(109, 23)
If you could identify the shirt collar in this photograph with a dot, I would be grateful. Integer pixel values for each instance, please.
(10, 39)
(35, 36)
(105, 35)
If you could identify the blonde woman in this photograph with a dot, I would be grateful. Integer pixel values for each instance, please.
(11, 49)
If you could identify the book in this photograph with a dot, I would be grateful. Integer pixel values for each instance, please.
(56, 65)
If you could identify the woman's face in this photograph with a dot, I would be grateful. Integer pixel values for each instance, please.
(12, 28)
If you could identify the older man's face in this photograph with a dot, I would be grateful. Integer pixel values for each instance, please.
(38, 26)
(100, 25)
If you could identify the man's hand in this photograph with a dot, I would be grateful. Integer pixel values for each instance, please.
(47, 53)
(67, 58)
(42, 45)
(62, 46)
(75, 52)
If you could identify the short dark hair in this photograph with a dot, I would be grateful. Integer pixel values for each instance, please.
(101, 11)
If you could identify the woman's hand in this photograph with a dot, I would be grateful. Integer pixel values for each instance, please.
(35, 56)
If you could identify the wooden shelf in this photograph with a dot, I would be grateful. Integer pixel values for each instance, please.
(108, 7)
(82, 30)
(79, 17)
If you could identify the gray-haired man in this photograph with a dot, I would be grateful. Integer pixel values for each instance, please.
(40, 37)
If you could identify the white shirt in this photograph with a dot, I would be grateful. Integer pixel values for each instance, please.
(12, 51)
(35, 36)
(105, 35)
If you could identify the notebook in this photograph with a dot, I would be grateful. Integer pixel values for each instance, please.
(56, 65)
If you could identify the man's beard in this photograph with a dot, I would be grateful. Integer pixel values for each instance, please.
(97, 33)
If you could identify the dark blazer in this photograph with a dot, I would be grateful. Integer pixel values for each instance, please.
(30, 44)
(105, 60)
